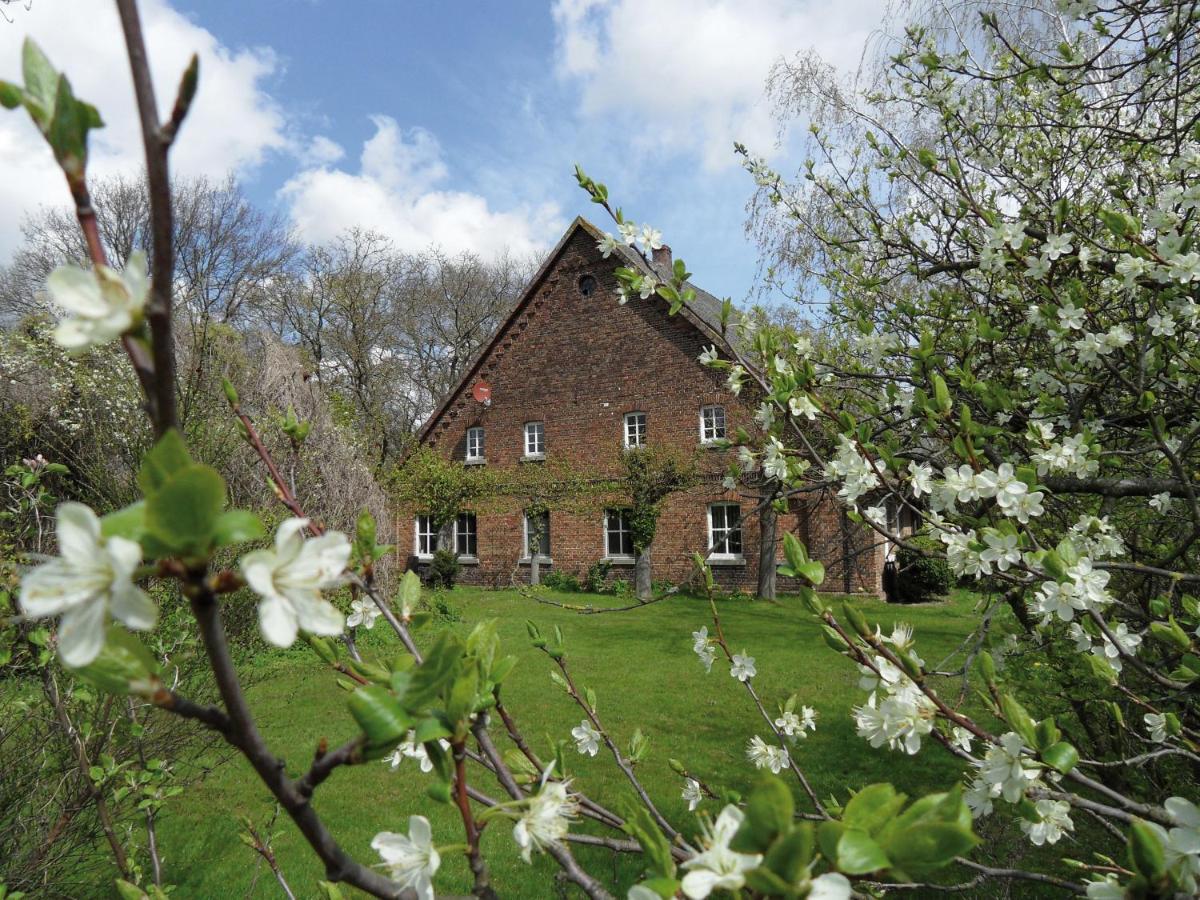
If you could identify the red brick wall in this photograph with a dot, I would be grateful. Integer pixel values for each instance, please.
(578, 364)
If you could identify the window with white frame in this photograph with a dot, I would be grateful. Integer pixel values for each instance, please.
(425, 536)
(635, 429)
(474, 443)
(725, 530)
(618, 538)
(537, 533)
(466, 535)
(712, 424)
(535, 439)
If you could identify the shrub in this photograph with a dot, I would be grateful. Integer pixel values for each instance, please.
(443, 569)
(596, 580)
(561, 581)
(921, 578)
(438, 605)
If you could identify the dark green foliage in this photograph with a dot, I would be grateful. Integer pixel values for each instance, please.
(443, 569)
(561, 581)
(441, 607)
(922, 578)
(596, 580)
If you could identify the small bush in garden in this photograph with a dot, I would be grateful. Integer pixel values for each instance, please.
(443, 570)
(439, 605)
(561, 581)
(596, 579)
(921, 578)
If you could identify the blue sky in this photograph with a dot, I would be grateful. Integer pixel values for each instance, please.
(456, 123)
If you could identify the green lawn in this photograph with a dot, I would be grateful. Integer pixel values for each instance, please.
(645, 674)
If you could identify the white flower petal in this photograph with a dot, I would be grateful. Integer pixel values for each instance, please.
(133, 606)
(81, 633)
(78, 533)
(76, 291)
(277, 621)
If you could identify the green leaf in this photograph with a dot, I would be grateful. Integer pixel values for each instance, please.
(813, 570)
(872, 807)
(129, 522)
(1146, 851)
(641, 827)
(1062, 756)
(924, 848)
(430, 729)
(237, 526)
(769, 812)
(124, 666)
(380, 717)
(828, 835)
(69, 128)
(41, 83)
(164, 459)
(1019, 719)
(858, 854)
(792, 853)
(183, 512)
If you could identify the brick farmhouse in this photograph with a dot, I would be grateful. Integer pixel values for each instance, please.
(575, 376)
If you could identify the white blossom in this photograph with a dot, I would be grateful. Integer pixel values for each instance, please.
(290, 577)
(802, 405)
(766, 756)
(692, 793)
(717, 867)
(1055, 821)
(364, 612)
(1004, 768)
(743, 667)
(586, 737)
(410, 859)
(919, 478)
(1156, 726)
(90, 578)
(703, 647)
(547, 817)
(1161, 502)
(606, 245)
(793, 726)
(101, 305)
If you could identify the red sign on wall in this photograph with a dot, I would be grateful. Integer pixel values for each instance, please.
(482, 391)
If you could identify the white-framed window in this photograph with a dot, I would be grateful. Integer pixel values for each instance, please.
(537, 532)
(712, 424)
(424, 536)
(466, 535)
(635, 429)
(474, 443)
(535, 439)
(618, 538)
(725, 530)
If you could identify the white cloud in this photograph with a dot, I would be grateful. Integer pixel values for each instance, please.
(680, 75)
(234, 124)
(397, 192)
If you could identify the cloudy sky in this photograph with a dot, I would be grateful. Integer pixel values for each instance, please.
(455, 122)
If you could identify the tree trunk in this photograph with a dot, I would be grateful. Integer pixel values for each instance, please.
(642, 587)
(767, 521)
(535, 577)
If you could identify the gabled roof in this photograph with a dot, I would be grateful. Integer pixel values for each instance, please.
(703, 313)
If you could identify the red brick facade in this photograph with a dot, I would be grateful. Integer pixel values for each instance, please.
(578, 362)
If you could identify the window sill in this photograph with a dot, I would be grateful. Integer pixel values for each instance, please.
(717, 444)
(475, 461)
(469, 560)
(542, 561)
(619, 560)
(727, 560)
(533, 457)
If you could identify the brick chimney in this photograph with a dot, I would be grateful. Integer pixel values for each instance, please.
(662, 257)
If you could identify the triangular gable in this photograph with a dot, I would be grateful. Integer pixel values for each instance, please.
(710, 330)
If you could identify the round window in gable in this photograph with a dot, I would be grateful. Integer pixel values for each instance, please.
(587, 285)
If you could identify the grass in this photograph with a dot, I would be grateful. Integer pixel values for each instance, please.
(640, 664)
